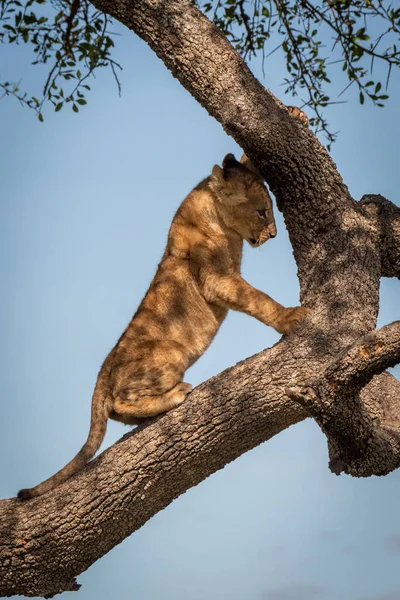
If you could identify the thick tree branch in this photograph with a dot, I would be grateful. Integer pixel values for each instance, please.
(362, 440)
(47, 542)
(389, 228)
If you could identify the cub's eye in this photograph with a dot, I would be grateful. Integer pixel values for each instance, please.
(262, 213)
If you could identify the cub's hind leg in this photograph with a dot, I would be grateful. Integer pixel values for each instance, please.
(150, 383)
(136, 407)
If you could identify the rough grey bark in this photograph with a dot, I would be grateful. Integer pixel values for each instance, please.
(331, 368)
(389, 231)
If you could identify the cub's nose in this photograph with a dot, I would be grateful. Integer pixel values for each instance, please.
(272, 230)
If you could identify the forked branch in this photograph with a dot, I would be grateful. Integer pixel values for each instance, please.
(363, 436)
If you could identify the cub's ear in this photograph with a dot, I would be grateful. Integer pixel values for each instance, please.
(220, 176)
(249, 165)
(229, 162)
(217, 177)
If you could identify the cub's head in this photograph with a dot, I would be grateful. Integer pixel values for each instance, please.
(243, 201)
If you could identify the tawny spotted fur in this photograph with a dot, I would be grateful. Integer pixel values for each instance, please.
(197, 281)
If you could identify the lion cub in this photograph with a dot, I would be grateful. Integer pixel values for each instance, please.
(197, 281)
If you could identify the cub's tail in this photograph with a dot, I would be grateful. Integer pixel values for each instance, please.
(98, 425)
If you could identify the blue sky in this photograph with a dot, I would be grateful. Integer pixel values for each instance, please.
(86, 204)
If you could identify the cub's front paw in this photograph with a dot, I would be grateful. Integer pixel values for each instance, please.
(291, 317)
(298, 114)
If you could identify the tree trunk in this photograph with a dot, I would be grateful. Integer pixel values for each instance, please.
(331, 368)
